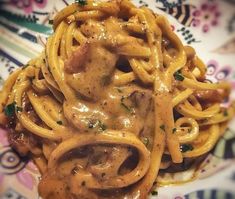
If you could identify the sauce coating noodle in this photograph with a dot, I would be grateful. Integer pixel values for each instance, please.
(114, 97)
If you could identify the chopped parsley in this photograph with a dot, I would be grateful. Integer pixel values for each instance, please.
(163, 127)
(59, 122)
(93, 123)
(174, 130)
(178, 76)
(50, 22)
(145, 141)
(186, 147)
(19, 109)
(10, 109)
(102, 126)
(154, 193)
(129, 109)
(225, 113)
(81, 2)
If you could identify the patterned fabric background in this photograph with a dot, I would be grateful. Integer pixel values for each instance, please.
(207, 25)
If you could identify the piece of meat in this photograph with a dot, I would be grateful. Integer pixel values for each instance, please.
(75, 63)
(97, 73)
(212, 96)
(142, 101)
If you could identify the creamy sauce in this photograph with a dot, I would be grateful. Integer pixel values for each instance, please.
(100, 105)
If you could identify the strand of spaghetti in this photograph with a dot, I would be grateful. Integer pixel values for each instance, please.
(37, 130)
(110, 8)
(166, 58)
(42, 113)
(21, 78)
(193, 100)
(69, 39)
(188, 110)
(159, 140)
(64, 13)
(200, 65)
(55, 65)
(208, 145)
(218, 118)
(156, 58)
(38, 83)
(186, 71)
(131, 50)
(23, 118)
(191, 134)
(189, 83)
(134, 27)
(79, 37)
(63, 53)
(172, 139)
(147, 66)
(85, 15)
(178, 62)
(182, 96)
(47, 75)
(107, 137)
(123, 79)
(140, 72)
(7, 87)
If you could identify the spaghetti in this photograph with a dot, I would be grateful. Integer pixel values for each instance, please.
(114, 98)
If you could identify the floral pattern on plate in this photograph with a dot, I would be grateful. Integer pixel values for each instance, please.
(207, 25)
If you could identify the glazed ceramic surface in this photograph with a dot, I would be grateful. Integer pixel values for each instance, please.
(207, 25)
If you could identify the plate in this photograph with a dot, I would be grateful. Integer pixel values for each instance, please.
(207, 25)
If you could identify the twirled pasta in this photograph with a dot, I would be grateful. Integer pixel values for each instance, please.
(114, 93)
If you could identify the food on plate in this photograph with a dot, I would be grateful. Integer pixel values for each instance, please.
(113, 99)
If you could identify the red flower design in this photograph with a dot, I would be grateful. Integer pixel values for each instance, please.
(206, 16)
(29, 5)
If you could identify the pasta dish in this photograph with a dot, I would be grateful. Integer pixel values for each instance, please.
(114, 100)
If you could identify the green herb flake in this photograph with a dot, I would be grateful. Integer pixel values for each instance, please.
(145, 141)
(154, 193)
(174, 130)
(129, 109)
(225, 113)
(178, 76)
(51, 22)
(163, 127)
(186, 147)
(19, 109)
(93, 123)
(81, 2)
(102, 126)
(59, 122)
(10, 109)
